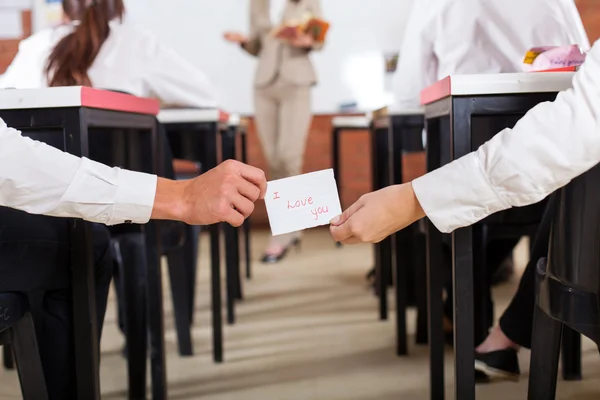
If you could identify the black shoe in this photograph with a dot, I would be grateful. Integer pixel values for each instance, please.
(274, 258)
(502, 364)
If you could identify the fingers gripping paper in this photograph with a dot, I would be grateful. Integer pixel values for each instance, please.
(302, 201)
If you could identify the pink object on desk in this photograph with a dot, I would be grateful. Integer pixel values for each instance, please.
(549, 58)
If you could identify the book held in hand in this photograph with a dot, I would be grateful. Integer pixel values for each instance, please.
(316, 27)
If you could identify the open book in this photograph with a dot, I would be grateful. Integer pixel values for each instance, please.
(316, 27)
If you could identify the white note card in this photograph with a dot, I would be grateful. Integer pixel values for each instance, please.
(302, 202)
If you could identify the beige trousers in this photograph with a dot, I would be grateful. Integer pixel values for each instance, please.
(283, 116)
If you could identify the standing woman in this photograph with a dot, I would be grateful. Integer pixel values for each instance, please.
(282, 86)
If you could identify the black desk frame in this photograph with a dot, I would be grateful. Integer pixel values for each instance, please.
(198, 141)
(75, 122)
(453, 116)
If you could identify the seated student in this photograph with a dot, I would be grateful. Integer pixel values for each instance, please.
(93, 48)
(447, 37)
(560, 140)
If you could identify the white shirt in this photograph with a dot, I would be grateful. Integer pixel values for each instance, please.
(40, 179)
(552, 144)
(448, 37)
(130, 60)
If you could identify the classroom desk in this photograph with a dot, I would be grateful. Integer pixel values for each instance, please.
(404, 135)
(193, 136)
(461, 113)
(65, 117)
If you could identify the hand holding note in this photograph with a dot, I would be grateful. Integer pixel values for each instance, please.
(303, 201)
(377, 215)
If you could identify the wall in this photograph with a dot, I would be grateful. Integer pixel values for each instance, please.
(8, 48)
(590, 14)
(350, 68)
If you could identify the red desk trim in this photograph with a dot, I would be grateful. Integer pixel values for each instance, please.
(107, 100)
(564, 69)
(438, 90)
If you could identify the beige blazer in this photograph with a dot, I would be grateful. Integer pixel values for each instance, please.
(276, 58)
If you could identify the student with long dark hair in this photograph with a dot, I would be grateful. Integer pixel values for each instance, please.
(95, 47)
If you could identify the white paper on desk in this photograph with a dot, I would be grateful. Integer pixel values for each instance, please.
(302, 201)
(11, 24)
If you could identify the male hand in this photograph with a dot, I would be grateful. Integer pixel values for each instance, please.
(377, 215)
(224, 194)
(236, 37)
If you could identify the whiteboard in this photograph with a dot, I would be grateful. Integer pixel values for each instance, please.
(350, 68)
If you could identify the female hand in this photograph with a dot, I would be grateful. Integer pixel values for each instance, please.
(377, 215)
(303, 40)
(236, 37)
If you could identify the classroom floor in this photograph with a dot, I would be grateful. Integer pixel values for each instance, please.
(307, 330)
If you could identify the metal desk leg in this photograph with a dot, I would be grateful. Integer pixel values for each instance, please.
(155, 314)
(87, 347)
(209, 149)
(462, 268)
(231, 251)
(247, 221)
(383, 250)
(403, 259)
(335, 158)
(435, 277)
(215, 270)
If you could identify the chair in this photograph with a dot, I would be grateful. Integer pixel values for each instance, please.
(568, 281)
(17, 332)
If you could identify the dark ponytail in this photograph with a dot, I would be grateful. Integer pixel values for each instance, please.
(73, 56)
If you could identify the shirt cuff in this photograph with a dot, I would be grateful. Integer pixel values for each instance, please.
(134, 199)
(457, 194)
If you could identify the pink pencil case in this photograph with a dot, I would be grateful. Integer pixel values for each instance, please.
(544, 58)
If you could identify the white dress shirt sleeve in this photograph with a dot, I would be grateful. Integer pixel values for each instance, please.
(552, 144)
(40, 179)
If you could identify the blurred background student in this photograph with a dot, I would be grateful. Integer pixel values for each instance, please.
(282, 92)
(448, 37)
(92, 48)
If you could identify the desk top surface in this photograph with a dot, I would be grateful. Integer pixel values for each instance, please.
(76, 96)
(489, 84)
(195, 115)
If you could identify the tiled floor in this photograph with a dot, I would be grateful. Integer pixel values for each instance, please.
(306, 330)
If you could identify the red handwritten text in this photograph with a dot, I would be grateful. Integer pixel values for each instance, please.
(299, 203)
(319, 210)
(276, 196)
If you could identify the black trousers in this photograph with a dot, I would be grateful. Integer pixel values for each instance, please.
(34, 259)
(517, 320)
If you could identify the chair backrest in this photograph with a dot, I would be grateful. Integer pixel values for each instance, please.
(13, 307)
(574, 252)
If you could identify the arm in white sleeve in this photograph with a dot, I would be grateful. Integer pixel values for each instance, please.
(552, 144)
(176, 81)
(40, 179)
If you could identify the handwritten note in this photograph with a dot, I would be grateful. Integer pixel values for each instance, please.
(302, 202)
